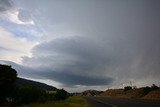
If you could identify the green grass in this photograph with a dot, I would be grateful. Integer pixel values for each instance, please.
(51, 92)
(70, 102)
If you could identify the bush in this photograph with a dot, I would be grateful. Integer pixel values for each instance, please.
(47, 97)
(146, 90)
(43, 99)
(154, 87)
(29, 94)
(61, 94)
(127, 88)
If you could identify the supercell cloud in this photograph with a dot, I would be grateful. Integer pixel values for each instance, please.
(89, 43)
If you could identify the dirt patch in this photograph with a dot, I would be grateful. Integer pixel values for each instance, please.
(131, 94)
(120, 93)
(154, 95)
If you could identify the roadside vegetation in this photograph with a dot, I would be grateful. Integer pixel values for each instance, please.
(73, 101)
(12, 95)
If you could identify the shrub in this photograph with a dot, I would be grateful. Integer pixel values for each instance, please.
(61, 94)
(29, 94)
(47, 97)
(127, 88)
(154, 87)
(146, 90)
(42, 99)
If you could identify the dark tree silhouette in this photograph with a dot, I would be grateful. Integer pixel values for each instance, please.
(8, 77)
(127, 88)
(154, 87)
(146, 90)
(61, 94)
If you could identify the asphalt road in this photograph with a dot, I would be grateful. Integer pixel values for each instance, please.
(107, 102)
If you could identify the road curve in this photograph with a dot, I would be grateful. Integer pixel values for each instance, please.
(107, 102)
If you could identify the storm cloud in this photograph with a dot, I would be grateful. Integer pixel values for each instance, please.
(93, 43)
(5, 5)
(127, 58)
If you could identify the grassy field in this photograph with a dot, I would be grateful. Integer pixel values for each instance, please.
(70, 102)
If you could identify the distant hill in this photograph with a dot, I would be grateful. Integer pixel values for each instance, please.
(91, 93)
(147, 92)
(151, 93)
(25, 82)
(88, 93)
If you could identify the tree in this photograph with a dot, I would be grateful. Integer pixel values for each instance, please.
(154, 87)
(146, 90)
(61, 94)
(8, 77)
(127, 88)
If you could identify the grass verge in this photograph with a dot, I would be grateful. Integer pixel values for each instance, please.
(70, 102)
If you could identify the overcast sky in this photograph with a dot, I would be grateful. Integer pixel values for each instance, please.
(82, 44)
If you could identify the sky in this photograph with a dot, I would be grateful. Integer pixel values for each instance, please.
(82, 44)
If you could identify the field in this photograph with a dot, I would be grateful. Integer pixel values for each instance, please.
(70, 102)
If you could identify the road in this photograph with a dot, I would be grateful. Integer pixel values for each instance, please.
(107, 102)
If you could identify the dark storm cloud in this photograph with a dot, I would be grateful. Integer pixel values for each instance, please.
(75, 55)
(117, 59)
(71, 61)
(72, 79)
(5, 5)
(117, 41)
(65, 78)
(77, 59)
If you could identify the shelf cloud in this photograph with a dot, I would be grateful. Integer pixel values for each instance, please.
(89, 43)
